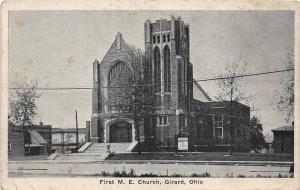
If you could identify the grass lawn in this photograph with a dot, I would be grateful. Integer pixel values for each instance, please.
(203, 156)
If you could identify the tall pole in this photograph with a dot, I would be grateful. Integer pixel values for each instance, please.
(231, 120)
(76, 131)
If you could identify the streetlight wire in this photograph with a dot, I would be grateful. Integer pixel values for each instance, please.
(152, 84)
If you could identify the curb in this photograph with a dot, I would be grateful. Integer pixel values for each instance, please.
(236, 163)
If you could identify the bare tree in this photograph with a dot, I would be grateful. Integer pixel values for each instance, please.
(130, 91)
(230, 89)
(22, 102)
(284, 98)
(230, 86)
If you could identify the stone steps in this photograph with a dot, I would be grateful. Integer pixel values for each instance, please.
(94, 152)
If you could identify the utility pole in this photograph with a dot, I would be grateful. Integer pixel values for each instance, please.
(231, 115)
(77, 145)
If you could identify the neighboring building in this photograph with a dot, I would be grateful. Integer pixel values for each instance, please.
(64, 140)
(181, 105)
(212, 125)
(29, 140)
(283, 139)
(16, 145)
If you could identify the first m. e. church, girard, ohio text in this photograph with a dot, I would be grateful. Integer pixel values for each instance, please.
(151, 182)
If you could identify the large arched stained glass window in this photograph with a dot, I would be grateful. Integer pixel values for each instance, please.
(167, 69)
(157, 69)
(119, 77)
(119, 73)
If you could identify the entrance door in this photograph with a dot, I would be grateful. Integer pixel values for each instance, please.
(120, 132)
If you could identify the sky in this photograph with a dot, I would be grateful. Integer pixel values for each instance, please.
(57, 48)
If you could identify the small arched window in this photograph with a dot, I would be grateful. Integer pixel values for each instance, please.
(164, 38)
(168, 37)
(158, 39)
(154, 39)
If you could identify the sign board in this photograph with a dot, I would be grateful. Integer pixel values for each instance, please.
(183, 143)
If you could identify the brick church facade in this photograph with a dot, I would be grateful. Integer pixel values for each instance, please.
(181, 106)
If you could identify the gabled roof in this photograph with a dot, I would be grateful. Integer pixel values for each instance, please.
(119, 45)
(284, 128)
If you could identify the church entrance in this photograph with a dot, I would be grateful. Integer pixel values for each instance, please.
(121, 132)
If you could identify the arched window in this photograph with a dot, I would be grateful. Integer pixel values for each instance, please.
(168, 37)
(154, 39)
(167, 69)
(117, 72)
(179, 74)
(158, 39)
(164, 38)
(119, 75)
(157, 69)
(184, 78)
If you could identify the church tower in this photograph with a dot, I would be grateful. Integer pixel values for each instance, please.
(167, 41)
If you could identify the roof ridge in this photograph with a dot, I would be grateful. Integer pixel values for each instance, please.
(204, 92)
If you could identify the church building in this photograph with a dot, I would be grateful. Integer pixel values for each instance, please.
(182, 107)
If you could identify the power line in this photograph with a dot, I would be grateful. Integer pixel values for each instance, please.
(245, 75)
(196, 80)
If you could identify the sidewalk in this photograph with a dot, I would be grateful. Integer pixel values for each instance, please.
(196, 158)
(241, 163)
(88, 169)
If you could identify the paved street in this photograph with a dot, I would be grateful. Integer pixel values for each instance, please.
(40, 169)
